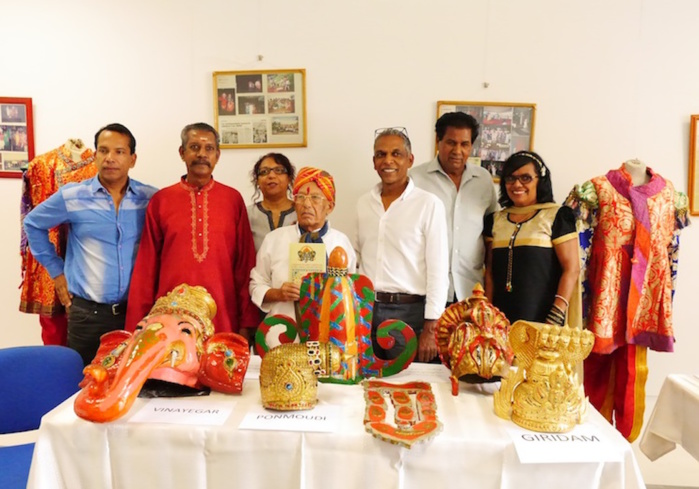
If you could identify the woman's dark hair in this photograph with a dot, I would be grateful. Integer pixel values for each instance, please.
(279, 159)
(544, 189)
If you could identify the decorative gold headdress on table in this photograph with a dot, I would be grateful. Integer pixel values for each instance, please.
(545, 393)
(472, 340)
(194, 301)
(289, 374)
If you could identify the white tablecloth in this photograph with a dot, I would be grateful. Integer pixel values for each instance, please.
(473, 450)
(675, 418)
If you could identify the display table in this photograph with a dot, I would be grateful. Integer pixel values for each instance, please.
(474, 449)
(675, 418)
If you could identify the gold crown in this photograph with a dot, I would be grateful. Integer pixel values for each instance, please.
(289, 374)
(545, 393)
(194, 301)
(472, 340)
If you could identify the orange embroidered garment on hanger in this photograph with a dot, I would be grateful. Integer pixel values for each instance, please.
(45, 175)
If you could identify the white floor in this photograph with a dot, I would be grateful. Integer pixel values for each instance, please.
(677, 468)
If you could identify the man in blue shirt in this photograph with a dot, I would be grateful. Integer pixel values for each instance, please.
(105, 216)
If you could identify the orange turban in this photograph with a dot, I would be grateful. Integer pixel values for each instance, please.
(320, 177)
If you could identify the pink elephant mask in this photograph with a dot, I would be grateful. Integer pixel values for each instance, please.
(174, 343)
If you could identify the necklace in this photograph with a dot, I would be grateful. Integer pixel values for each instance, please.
(510, 256)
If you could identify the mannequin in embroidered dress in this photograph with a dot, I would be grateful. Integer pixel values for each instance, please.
(273, 177)
(629, 220)
(532, 265)
(45, 175)
(637, 170)
(314, 197)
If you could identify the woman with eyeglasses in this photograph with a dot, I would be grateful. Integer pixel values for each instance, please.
(271, 287)
(532, 263)
(273, 177)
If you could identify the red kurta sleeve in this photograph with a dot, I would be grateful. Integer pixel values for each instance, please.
(244, 262)
(144, 280)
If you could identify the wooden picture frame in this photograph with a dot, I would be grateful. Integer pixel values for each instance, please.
(505, 128)
(693, 181)
(16, 136)
(254, 109)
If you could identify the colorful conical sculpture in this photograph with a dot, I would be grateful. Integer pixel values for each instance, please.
(336, 307)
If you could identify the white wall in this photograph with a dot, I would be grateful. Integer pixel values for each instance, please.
(611, 80)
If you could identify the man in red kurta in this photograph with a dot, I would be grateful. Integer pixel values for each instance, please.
(197, 232)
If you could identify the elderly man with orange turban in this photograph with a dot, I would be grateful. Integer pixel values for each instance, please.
(314, 197)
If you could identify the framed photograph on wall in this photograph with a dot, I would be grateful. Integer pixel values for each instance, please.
(505, 128)
(693, 190)
(16, 136)
(255, 109)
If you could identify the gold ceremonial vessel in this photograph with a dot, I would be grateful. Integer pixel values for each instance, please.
(545, 393)
(289, 374)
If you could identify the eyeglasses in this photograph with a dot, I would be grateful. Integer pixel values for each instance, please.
(523, 179)
(279, 170)
(314, 198)
(391, 130)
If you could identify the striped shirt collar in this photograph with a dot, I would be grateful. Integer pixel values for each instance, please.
(435, 166)
(96, 186)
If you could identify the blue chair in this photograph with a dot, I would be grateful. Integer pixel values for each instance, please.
(33, 380)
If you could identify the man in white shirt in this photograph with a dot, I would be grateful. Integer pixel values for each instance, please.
(468, 194)
(402, 245)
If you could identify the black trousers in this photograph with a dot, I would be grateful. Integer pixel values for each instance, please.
(88, 321)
